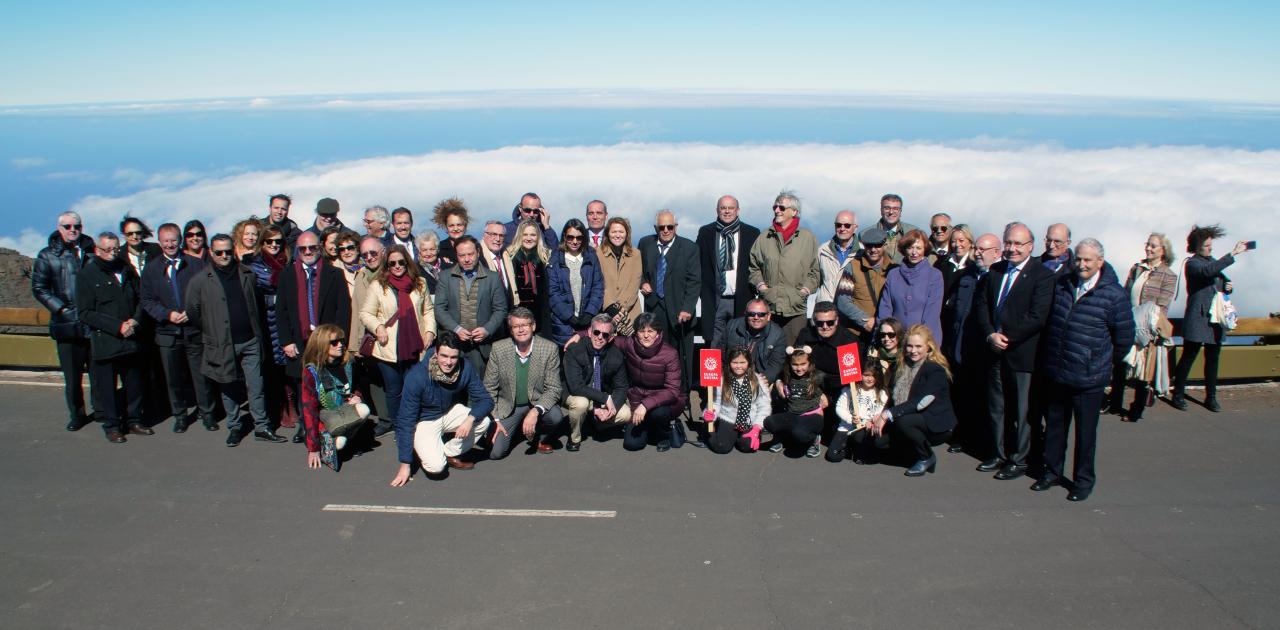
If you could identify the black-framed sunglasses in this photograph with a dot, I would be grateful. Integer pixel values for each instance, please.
(394, 264)
(220, 252)
(757, 314)
(600, 334)
(347, 248)
(72, 226)
(778, 206)
(572, 237)
(938, 229)
(337, 341)
(664, 228)
(888, 334)
(134, 233)
(273, 241)
(844, 226)
(370, 255)
(824, 323)
(307, 249)
(195, 234)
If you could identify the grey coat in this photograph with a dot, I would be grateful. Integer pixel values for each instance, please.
(207, 310)
(544, 375)
(491, 306)
(1204, 278)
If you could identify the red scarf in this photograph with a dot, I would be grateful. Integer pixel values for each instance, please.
(408, 339)
(274, 264)
(787, 232)
(304, 322)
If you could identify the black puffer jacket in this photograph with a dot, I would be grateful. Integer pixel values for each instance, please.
(105, 303)
(53, 283)
(1085, 336)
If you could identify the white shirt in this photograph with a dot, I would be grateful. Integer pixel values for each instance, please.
(1087, 285)
(731, 275)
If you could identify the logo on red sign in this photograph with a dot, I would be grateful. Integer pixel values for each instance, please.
(709, 374)
(850, 365)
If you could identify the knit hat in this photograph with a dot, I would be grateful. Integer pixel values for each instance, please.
(327, 207)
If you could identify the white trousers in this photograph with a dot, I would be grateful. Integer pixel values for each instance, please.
(428, 438)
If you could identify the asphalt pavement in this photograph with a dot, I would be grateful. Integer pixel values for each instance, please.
(178, 531)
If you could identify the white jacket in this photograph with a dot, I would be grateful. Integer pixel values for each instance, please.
(727, 409)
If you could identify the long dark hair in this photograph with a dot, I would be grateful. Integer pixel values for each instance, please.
(411, 270)
(752, 380)
(573, 224)
(195, 223)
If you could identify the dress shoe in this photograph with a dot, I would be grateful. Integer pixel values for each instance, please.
(923, 466)
(955, 448)
(115, 437)
(990, 465)
(77, 423)
(233, 438)
(300, 435)
(269, 436)
(137, 428)
(1011, 472)
(1079, 495)
(180, 424)
(545, 448)
(209, 424)
(1212, 405)
(664, 446)
(572, 447)
(382, 428)
(1045, 484)
(459, 463)
(1178, 402)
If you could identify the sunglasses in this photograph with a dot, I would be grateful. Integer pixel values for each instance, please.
(220, 252)
(347, 248)
(195, 234)
(938, 229)
(757, 313)
(600, 334)
(888, 334)
(844, 226)
(334, 343)
(370, 255)
(572, 237)
(778, 206)
(307, 249)
(393, 264)
(134, 233)
(273, 241)
(824, 323)
(664, 228)
(71, 226)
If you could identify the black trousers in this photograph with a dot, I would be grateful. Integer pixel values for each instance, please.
(73, 358)
(103, 375)
(1119, 380)
(1009, 405)
(1084, 405)
(680, 336)
(914, 432)
(187, 386)
(726, 438)
(1190, 350)
(794, 430)
(656, 421)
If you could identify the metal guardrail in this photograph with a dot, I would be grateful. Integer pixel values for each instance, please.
(1237, 362)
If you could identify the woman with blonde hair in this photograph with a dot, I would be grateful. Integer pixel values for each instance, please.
(399, 313)
(331, 410)
(921, 414)
(246, 237)
(622, 269)
(525, 262)
(1150, 282)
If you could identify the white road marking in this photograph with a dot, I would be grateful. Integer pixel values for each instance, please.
(37, 383)
(409, 509)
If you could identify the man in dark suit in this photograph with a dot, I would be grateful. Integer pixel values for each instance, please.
(164, 285)
(310, 293)
(1011, 307)
(724, 248)
(964, 349)
(671, 281)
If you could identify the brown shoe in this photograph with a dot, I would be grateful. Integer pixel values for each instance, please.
(544, 448)
(140, 429)
(115, 437)
(458, 463)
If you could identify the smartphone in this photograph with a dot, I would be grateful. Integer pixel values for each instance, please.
(1251, 245)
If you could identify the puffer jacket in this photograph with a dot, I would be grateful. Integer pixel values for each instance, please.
(53, 283)
(1084, 335)
(654, 373)
(561, 293)
(786, 268)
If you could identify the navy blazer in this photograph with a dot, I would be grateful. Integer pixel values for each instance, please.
(335, 307)
(157, 297)
(1023, 315)
(683, 279)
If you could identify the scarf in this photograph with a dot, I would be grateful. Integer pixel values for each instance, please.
(725, 254)
(438, 375)
(526, 263)
(902, 386)
(274, 264)
(408, 338)
(113, 266)
(742, 396)
(787, 232)
(352, 269)
(304, 321)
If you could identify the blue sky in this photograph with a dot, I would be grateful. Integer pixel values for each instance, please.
(73, 52)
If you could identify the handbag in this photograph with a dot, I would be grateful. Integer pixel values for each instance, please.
(366, 342)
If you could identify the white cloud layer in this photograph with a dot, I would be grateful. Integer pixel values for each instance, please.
(1117, 195)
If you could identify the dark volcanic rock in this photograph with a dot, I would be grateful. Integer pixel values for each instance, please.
(15, 280)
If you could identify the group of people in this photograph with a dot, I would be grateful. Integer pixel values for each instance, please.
(466, 346)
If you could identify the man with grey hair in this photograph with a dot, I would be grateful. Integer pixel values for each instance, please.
(53, 283)
(964, 349)
(495, 242)
(784, 266)
(595, 381)
(523, 378)
(892, 224)
(376, 221)
(1057, 249)
(939, 236)
(671, 281)
(107, 298)
(1009, 312)
(1090, 324)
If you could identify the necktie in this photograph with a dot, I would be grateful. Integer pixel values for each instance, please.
(1008, 284)
(725, 261)
(662, 271)
(502, 272)
(595, 371)
(173, 285)
(311, 297)
(595, 239)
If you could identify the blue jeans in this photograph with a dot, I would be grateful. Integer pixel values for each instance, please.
(393, 385)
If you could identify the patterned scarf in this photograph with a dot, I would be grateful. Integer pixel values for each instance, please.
(725, 251)
(742, 396)
(438, 375)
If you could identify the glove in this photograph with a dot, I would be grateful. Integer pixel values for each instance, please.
(580, 322)
(753, 438)
(709, 415)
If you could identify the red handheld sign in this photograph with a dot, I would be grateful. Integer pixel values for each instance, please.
(709, 374)
(850, 365)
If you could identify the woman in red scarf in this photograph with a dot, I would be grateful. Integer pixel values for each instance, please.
(271, 257)
(398, 312)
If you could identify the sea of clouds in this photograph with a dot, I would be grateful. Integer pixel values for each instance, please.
(1117, 195)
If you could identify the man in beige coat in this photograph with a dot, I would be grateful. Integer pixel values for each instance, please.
(784, 266)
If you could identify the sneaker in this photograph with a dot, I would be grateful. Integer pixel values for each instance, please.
(776, 447)
(814, 450)
(328, 452)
